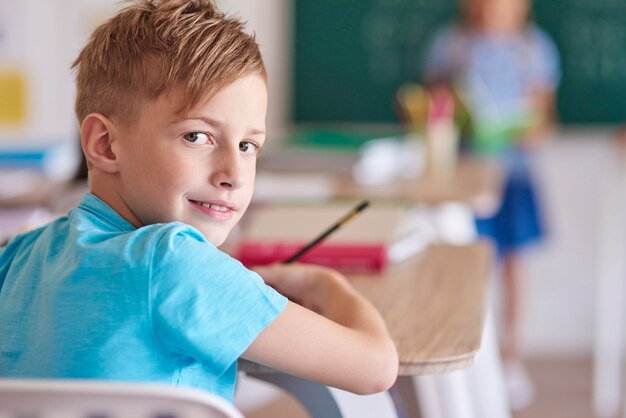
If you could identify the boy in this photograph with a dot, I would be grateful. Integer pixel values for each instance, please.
(172, 97)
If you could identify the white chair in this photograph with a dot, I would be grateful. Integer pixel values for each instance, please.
(90, 398)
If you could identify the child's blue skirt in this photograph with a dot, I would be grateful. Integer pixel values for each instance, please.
(518, 222)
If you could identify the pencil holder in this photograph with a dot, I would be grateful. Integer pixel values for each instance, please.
(442, 135)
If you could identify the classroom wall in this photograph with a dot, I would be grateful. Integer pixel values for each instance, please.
(268, 20)
(34, 50)
(42, 38)
(574, 172)
(561, 274)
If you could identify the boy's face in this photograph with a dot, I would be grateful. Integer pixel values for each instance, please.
(197, 168)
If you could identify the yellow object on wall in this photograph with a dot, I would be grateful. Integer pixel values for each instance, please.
(12, 98)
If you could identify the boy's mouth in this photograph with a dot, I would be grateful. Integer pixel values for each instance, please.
(221, 211)
(211, 206)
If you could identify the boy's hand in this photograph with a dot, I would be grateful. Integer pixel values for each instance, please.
(347, 345)
(306, 284)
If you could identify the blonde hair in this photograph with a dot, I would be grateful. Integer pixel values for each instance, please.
(153, 46)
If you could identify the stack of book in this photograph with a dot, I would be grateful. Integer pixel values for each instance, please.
(384, 232)
(30, 172)
(56, 160)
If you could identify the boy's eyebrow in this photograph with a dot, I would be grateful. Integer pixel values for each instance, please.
(220, 124)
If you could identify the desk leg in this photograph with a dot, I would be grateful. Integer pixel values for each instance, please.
(315, 398)
(416, 397)
(454, 395)
(486, 377)
(474, 393)
(325, 402)
(427, 396)
(477, 392)
(358, 406)
(609, 301)
(445, 395)
(480, 390)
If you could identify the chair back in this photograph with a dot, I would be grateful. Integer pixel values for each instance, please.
(95, 399)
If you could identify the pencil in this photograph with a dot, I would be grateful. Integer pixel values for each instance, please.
(358, 208)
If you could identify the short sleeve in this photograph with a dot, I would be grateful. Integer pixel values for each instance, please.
(204, 304)
(10, 249)
(547, 66)
(4, 263)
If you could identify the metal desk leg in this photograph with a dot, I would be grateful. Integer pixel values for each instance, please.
(427, 396)
(486, 377)
(315, 398)
(436, 396)
(417, 397)
(325, 402)
(480, 390)
(454, 395)
(412, 400)
(357, 406)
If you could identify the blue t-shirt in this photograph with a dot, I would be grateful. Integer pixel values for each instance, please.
(91, 296)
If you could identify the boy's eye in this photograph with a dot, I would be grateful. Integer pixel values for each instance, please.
(248, 147)
(197, 138)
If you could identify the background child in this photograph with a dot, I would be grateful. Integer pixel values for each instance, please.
(130, 285)
(507, 70)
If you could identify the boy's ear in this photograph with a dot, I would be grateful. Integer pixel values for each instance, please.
(97, 134)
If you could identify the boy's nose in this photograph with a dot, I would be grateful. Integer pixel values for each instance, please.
(228, 171)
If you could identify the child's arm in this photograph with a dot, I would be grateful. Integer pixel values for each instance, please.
(546, 73)
(543, 102)
(345, 344)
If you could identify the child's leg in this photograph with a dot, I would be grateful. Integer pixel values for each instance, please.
(511, 295)
(519, 385)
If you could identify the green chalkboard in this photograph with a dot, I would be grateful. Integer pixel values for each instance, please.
(351, 55)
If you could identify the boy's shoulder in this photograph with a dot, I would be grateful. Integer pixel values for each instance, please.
(96, 227)
(94, 220)
(96, 237)
(26, 239)
(19, 250)
(178, 245)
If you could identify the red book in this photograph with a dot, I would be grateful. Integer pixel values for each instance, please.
(276, 232)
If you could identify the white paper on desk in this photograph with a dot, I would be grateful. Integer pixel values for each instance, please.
(417, 234)
(448, 223)
(272, 187)
(454, 223)
(387, 159)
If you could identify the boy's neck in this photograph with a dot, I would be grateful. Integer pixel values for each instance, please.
(112, 197)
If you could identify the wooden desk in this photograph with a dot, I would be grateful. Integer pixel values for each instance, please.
(434, 305)
(475, 181)
(445, 286)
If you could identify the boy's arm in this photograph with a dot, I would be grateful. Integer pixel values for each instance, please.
(340, 341)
